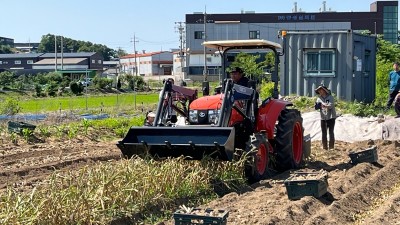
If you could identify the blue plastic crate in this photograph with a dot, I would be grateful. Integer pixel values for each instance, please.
(200, 216)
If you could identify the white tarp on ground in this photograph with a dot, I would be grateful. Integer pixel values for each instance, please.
(351, 128)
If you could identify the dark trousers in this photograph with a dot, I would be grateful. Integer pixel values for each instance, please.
(390, 100)
(397, 108)
(325, 126)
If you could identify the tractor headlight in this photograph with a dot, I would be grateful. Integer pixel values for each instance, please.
(213, 116)
(193, 116)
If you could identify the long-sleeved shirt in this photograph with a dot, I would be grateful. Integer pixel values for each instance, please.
(394, 81)
(327, 110)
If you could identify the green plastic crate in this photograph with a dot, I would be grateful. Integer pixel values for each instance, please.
(297, 188)
(367, 155)
(200, 216)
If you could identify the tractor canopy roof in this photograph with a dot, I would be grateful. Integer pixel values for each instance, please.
(226, 44)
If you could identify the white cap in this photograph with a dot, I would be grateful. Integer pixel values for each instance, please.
(151, 114)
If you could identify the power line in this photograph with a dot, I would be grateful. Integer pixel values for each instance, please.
(158, 42)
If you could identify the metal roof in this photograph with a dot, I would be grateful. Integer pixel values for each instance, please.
(222, 45)
(69, 54)
(20, 55)
(51, 61)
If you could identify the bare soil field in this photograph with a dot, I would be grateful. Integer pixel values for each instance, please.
(366, 193)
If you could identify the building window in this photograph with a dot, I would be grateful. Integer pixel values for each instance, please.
(255, 34)
(29, 61)
(1, 62)
(99, 61)
(390, 24)
(17, 62)
(93, 61)
(198, 35)
(319, 62)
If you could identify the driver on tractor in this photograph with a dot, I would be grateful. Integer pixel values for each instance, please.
(238, 77)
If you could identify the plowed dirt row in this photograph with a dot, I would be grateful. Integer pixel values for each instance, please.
(357, 194)
(24, 165)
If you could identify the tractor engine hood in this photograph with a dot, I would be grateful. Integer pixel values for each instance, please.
(207, 102)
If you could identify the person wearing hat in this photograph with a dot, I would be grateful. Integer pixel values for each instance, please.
(394, 84)
(150, 119)
(326, 105)
(238, 77)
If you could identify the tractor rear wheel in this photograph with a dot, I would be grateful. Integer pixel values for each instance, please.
(257, 164)
(289, 140)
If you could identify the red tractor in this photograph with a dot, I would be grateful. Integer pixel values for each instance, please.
(230, 123)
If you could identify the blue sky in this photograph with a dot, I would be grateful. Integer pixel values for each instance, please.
(114, 23)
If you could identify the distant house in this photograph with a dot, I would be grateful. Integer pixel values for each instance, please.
(77, 60)
(148, 64)
(13, 62)
(33, 63)
(111, 67)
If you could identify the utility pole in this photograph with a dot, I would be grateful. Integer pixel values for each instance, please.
(181, 30)
(55, 52)
(62, 54)
(134, 50)
(205, 73)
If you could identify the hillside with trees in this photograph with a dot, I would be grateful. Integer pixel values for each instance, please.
(47, 45)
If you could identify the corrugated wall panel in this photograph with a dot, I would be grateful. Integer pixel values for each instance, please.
(294, 81)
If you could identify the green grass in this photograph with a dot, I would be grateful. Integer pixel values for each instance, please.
(79, 102)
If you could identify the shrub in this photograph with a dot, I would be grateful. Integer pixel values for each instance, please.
(51, 89)
(10, 107)
(6, 79)
(102, 82)
(76, 87)
(361, 109)
(38, 90)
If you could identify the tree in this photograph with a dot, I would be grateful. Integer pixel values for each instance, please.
(47, 45)
(120, 52)
(5, 49)
(248, 63)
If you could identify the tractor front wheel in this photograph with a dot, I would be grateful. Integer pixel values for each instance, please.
(257, 164)
(289, 140)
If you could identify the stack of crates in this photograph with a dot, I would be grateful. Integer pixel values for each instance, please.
(301, 184)
(200, 216)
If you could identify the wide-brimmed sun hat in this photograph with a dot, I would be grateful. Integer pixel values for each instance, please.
(323, 88)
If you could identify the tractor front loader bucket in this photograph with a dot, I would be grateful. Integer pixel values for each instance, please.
(194, 142)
